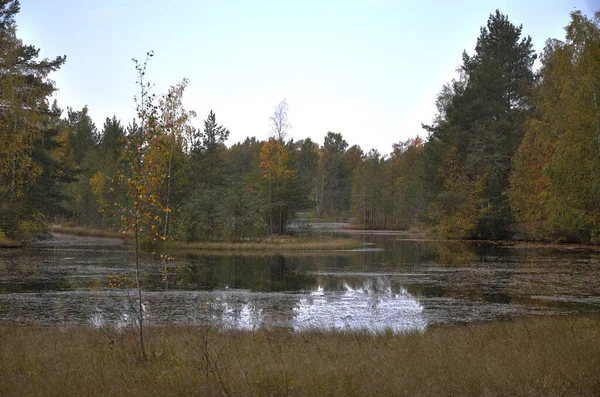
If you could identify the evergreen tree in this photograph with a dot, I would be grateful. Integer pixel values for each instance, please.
(83, 141)
(207, 153)
(283, 194)
(335, 175)
(242, 157)
(106, 162)
(24, 115)
(8, 10)
(84, 134)
(369, 182)
(205, 210)
(47, 197)
(111, 140)
(406, 190)
(480, 130)
(306, 163)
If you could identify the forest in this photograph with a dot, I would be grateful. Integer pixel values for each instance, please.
(514, 150)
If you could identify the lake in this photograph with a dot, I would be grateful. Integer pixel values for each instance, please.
(393, 283)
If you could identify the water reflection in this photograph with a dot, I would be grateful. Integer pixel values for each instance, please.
(373, 306)
(368, 304)
(405, 284)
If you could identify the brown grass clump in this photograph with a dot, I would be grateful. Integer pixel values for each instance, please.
(84, 231)
(10, 244)
(279, 243)
(542, 356)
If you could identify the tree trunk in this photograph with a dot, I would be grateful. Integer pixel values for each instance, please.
(137, 281)
(168, 209)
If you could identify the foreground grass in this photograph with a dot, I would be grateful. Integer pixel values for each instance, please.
(544, 356)
(287, 243)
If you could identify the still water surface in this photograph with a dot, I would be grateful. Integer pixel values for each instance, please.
(393, 283)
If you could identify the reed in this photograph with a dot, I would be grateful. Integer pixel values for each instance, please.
(10, 244)
(536, 356)
(83, 231)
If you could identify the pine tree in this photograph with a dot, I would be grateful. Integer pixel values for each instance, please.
(24, 114)
(204, 212)
(480, 128)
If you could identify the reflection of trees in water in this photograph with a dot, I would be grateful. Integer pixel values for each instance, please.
(402, 252)
(372, 289)
(267, 273)
(26, 271)
(215, 287)
(359, 302)
(368, 285)
(459, 269)
(373, 303)
(272, 273)
(498, 274)
(235, 309)
(550, 271)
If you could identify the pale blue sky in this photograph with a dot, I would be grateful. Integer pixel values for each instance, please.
(369, 69)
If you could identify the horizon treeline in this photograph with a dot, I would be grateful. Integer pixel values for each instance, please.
(511, 149)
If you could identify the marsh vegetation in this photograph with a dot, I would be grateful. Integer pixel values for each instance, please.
(536, 356)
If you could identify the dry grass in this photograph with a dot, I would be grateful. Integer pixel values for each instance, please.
(280, 243)
(84, 231)
(542, 356)
(286, 243)
(10, 244)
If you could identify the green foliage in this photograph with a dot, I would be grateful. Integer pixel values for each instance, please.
(243, 216)
(388, 192)
(207, 153)
(506, 145)
(203, 214)
(478, 131)
(105, 162)
(557, 165)
(574, 170)
(277, 176)
(83, 133)
(242, 158)
(368, 202)
(336, 168)
(140, 171)
(8, 10)
(306, 163)
(25, 115)
(46, 198)
(406, 191)
(82, 152)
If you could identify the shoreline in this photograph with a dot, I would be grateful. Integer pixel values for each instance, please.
(275, 244)
(311, 242)
(10, 244)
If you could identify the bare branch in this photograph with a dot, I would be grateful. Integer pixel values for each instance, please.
(279, 124)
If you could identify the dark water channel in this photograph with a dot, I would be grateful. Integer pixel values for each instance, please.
(394, 284)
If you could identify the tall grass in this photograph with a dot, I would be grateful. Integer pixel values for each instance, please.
(84, 231)
(10, 244)
(280, 243)
(541, 356)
